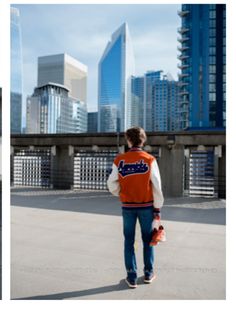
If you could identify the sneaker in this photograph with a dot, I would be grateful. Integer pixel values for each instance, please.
(132, 283)
(158, 235)
(149, 278)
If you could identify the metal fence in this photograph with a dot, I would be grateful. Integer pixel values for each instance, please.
(200, 177)
(91, 169)
(32, 168)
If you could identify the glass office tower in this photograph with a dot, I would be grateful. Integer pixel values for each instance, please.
(114, 83)
(203, 65)
(16, 72)
(51, 110)
(92, 122)
(137, 105)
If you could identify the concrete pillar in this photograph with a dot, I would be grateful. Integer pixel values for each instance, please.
(216, 170)
(222, 173)
(171, 165)
(62, 172)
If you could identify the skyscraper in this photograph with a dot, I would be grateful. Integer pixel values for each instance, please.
(92, 122)
(51, 110)
(173, 104)
(58, 104)
(16, 72)
(137, 105)
(155, 102)
(160, 102)
(64, 70)
(150, 81)
(203, 66)
(114, 83)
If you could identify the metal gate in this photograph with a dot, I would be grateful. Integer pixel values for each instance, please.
(91, 169)
(32, 168)
(199, 174)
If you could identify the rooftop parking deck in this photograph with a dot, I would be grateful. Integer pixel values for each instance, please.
(69, 245)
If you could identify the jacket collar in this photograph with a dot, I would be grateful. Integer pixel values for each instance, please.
(135, 149)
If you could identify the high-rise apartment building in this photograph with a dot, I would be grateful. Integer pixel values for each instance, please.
(16, 72)
(64, 70)
(203, 66)
(51, 110)
(155, 102)
(160, 102)
(173, 104)
(151, 79)
(114, 83)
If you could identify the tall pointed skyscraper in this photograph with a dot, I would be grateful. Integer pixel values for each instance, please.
(114, 83)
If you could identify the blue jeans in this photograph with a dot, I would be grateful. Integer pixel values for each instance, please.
(145, 217)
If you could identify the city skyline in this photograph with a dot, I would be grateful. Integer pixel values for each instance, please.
(149, 26)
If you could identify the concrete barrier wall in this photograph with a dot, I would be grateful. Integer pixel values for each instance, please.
(171, 148)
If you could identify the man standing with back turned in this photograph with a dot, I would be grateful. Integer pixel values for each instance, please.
(135, 178)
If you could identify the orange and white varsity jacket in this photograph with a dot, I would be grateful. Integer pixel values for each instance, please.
(135, 178)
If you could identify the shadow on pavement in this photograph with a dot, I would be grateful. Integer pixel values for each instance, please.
(75, 294)
(195, 210)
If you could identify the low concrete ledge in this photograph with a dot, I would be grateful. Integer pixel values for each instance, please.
(112, 139)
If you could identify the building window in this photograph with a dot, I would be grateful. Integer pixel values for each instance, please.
(212, 32)
(212, 69)
(212, 41)
(212, 6)
(212, 60)
(212, 96)
(212, 50)
(212, 23)
(212, 87)
(212, 14)
(212, 78)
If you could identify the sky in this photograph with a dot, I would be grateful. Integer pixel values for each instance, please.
(83, 31)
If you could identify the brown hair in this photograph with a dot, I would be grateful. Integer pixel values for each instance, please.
(136, 136)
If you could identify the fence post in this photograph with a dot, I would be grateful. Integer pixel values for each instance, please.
(62, 168)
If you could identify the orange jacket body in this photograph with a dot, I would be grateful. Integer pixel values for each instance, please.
(135, 178)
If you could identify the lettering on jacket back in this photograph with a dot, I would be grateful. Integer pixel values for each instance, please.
(127, 169)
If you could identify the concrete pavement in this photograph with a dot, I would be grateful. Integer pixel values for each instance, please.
(67, 245)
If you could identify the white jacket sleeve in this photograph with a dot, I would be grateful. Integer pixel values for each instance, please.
(113, 181)
(158, 198)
